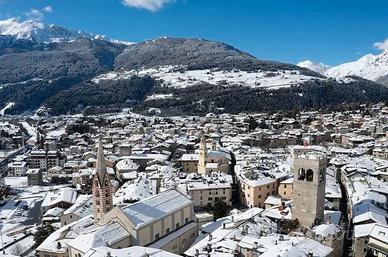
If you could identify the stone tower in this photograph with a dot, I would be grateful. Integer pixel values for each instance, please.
(202, 156)
(102, 189)
(309, 187)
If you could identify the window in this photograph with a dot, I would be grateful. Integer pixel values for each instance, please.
(259, 196)
(184, 241)
(167, 230)
(157, 236)
(267, 186)
(301, 174)
(310, 175)
(97, 194)
(98, 202)
(285, 186)
(177, 225)
(186, 220)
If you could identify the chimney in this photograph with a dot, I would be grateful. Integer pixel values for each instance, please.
(282, 206)
(223, 225)
(310, 254)
(209, 248)
(196, 253)
(210, 237)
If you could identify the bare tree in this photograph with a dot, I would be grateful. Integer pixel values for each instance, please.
(18, 250)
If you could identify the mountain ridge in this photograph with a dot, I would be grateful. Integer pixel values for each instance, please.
(73, 74)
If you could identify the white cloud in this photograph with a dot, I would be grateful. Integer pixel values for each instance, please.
(47, 9)
(382, 45)
(150, 5)
(38, 15)
(34, 15)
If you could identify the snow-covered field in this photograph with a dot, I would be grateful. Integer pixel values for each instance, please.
(172, 76)
(56, 132)
(16, 181)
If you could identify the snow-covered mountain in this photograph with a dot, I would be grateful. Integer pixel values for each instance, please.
(317, 67)
(372, 67)
(39, 32)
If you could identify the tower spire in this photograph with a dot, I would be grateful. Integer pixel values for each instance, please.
(100, 163)
(102, 188)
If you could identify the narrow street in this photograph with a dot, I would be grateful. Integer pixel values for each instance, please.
(347, 252)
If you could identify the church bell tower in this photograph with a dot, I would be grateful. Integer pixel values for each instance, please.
(101, 188)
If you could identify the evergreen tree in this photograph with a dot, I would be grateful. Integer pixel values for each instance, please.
(42, 233)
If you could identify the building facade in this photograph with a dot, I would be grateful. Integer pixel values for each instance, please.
(309, 187)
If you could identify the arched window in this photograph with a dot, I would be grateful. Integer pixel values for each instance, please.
(184, 244)
(310, 175)
(322, 175)
(301, 174)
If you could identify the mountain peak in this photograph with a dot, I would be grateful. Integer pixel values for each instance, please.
(370, 66)
(314, 66)
(39, 32)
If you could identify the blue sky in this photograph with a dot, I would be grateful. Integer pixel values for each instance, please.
(328, 31)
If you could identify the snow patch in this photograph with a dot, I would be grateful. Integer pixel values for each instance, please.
(178, 77)
(8, 106)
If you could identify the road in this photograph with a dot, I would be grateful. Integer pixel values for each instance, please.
(347, 249)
